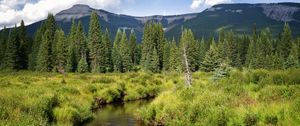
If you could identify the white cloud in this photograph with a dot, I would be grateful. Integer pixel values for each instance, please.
(206, 3)
(10, 14)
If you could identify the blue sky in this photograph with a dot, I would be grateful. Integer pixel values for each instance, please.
(13, 11)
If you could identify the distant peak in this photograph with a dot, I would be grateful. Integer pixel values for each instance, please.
(81, 6)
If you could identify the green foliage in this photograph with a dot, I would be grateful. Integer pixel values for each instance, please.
(125, 53)
(153, 39)
(116, 56)
(45, 55)
(96, 45)
(231, 102)
(60, 51)
(11, 58)
(83, 66)
(292, 60)
(212, 58)
(71, 59)
(174, 58)
(108, 52)
(188, 42)
(285, 43)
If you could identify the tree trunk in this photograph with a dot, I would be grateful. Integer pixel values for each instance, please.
(188, 76)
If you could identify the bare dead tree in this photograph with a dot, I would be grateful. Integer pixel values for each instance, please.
(188, 76)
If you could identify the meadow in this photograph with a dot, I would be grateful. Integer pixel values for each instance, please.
(242, 97)
(33, 98)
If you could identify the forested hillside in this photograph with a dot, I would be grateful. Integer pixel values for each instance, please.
(53, 50)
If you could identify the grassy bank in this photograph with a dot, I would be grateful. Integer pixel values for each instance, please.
(29, 98)
(249, 97)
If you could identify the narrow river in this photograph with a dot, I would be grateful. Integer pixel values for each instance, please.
(119, 114)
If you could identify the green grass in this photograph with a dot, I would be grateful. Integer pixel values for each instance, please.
(249, 97)
(31, 98)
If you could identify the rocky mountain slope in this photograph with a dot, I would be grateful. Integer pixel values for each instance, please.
(237, 17)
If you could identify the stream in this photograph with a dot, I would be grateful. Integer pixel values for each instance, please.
(119, 114)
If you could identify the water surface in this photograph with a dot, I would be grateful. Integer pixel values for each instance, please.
(119, 114)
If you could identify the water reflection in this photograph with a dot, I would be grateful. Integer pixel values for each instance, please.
(119, 114)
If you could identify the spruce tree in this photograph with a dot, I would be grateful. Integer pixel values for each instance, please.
(83, 66)
(36, 46)
(276, 61)
(133, 47)
(95, 45)
(167, 49)
(11, 53)
(125, 53)
(175, 58)
(154, 62)
(212, 59)
(188, 41)
(251, 57)
(80, 44)
(60, 51)
(231, 48)
(72, 59)
(153, 38)
(202, 51)
(116, 57)
(44, 57)
(285, 41)
(108, 51)
(292, 60)
(23, 48)
(3, 43)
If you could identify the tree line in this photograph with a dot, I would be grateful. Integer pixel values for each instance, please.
(52, 50)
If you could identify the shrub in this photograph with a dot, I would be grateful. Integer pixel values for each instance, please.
(66, 115)
(251, 119)
(271, 119)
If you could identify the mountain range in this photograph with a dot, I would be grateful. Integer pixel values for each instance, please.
(239, 18)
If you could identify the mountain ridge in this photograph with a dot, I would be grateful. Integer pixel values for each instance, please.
(238, 17)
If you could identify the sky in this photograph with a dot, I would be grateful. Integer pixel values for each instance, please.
(13, 11)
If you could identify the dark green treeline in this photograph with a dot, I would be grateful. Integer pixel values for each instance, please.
(53, 50)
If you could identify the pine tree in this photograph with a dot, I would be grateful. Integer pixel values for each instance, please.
(95, 45)
(108, 51)
(188, 41)
(154, 62)
(285, 41)
(231, 48)
(11, 53)
(45, 55)
(133, 47)
(125, 52)
(36, 46)
(292, 60)
(175, 58)
(72, 59)
(251, 58)
(3, 43)
(202, 51)
(80, 44)
(212, 58)
(83, 66)
(116, 57)
(153, 38)
(167, 49)
(60, 51)
(23, 48)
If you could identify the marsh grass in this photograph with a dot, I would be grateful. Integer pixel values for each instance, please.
(248, 97)
(32, 98)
